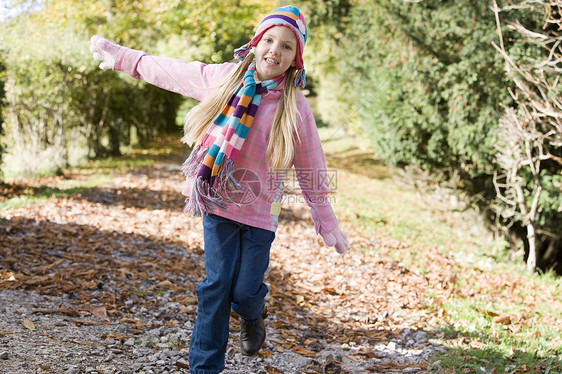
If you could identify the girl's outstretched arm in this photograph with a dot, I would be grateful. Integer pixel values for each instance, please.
(190, 79)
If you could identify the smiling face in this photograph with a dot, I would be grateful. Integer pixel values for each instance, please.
(275, 52)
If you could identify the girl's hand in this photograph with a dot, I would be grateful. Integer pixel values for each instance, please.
(335, 238)
(105, 51)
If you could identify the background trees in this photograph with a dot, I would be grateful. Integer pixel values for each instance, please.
(424, 82)
(62, 109)
(529, 180)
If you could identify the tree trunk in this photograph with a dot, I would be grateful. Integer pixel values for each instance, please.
(532, 257)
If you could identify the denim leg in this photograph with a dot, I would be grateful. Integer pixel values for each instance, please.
(210, 333)
(248, 292)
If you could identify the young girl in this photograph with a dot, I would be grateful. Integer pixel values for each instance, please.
(252, 124)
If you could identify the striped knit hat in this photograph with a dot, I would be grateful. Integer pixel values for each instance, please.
(285, 16)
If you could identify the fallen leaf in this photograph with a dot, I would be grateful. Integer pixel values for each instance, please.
(35, 281)
(477, 344)
(89, 285)
(171, 323)
(98, 312)
(272, 370)
(504, 320)
(189, 300)
(29, 325)
(6, 275)
(90, 323)
(165, 283)
(288, 336)
(535, 334)
(56, 263)
(303, 351)
(182, 364)
(515, 328)
(128, 320)
(265, 353)
(368, 354)
(118, 337)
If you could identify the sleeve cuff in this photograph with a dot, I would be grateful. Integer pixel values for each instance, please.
(324, 219)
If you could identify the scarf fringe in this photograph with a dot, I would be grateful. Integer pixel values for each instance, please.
(225, 180)
(191, 165)
(205, 197)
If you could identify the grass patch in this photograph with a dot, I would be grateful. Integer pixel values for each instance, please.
(494, 316)
(383, 208)
(502, 319)
(136, 157)
(32, 195)
(492, 360)
(164, 148)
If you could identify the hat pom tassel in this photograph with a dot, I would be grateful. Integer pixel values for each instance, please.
(241, 53)
(300, 78)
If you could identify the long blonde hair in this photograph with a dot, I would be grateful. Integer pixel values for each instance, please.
(284, 130)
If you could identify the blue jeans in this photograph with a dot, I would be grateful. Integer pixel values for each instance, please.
(236, 258)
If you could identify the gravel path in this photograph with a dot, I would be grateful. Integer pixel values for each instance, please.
(106, 279)
(61, 341)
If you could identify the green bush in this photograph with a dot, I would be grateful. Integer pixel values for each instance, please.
(63, 109)
(427, 85)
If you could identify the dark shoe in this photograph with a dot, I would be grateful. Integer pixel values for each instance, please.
(252, 336)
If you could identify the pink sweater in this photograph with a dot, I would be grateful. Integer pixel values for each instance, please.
(260, 207)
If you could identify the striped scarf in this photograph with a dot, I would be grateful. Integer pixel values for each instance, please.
(211, 163)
